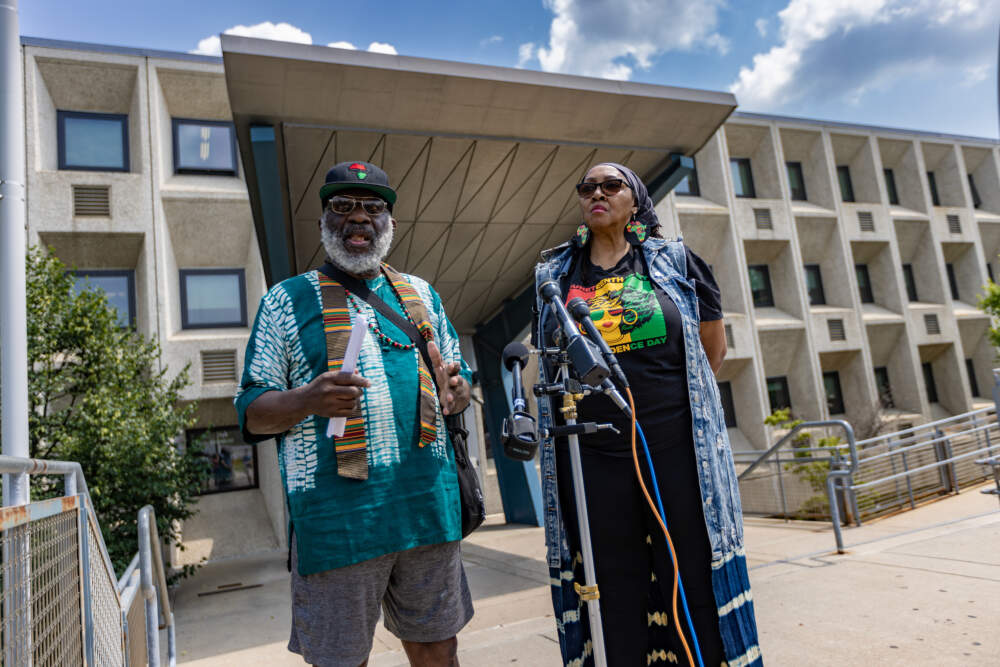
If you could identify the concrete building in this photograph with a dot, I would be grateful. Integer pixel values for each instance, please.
(849, 257)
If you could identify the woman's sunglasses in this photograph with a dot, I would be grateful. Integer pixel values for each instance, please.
(610, 187)
(344, 205)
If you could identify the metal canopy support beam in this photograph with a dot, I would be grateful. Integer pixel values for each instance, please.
(266, 197)
(520, 487)
(678, 168)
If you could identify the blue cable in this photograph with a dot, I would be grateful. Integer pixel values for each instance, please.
(663, 515)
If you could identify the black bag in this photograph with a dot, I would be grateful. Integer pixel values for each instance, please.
(469, 491)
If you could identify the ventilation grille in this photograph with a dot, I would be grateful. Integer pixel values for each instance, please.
(954, 224)
(729, 336)
(218, 366)
(836, 328)
(762, 216)
(866, 221)
(932, 324)
(92, 201)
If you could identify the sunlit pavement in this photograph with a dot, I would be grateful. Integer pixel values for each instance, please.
(918, 588)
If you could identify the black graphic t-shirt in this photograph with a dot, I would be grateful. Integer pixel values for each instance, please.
(643, 327)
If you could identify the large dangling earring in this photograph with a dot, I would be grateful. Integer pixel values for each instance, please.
(635, 232)
(582, 235)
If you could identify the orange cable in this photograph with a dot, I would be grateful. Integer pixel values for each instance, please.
(666, 533)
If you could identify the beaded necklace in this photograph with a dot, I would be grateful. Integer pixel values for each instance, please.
(373, 324)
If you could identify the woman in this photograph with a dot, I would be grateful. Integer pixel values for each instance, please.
(657, 305)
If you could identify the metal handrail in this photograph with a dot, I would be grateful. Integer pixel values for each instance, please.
(920, 427)
(848, 431)
(139, 575)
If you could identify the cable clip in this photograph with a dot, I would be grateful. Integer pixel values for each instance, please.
(587, 592)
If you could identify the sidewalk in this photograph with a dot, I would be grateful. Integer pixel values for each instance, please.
(919, 588)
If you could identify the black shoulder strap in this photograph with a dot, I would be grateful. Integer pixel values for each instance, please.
(360, 289)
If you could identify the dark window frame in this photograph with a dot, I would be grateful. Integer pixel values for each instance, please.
(769, 303)
(750, 190)
(821, 301)
(890, 187)
(910, 282)
(929, 383)
(61, 117)
(693, 187)
(835, 405)
(949, 267)
(190, 435)
(796, 195)
(932, 186)
(175, 124)
(866, 291)
(844, 172)
(240, 273)
(728, 407)
(128, 274)
(977, 201)
(883, 386)
(970, 370)
(782, 391)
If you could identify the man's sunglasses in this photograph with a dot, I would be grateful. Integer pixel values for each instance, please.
(610, 187)
(344, 205)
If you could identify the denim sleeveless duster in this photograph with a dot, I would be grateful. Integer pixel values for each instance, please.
(717, 480)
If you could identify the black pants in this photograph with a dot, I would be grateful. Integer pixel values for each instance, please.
(620, 520)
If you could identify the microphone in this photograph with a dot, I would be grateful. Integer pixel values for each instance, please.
(581, 313)
(519, 432)
(584, 356)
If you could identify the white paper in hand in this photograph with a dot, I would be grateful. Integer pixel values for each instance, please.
(335, 427)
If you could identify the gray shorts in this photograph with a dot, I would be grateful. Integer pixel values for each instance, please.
(423, 591)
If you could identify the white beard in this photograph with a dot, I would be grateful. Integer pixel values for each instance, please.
(357, 264)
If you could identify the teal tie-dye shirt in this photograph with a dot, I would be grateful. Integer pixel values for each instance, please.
(411, 495)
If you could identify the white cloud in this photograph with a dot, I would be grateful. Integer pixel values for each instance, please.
(343, 45)
(489, 41)
(282, 32)
(761, 25)
(525, 53)
(610, 38)
(382, 47)
(846, 49)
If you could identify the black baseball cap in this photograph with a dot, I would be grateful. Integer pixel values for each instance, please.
(354, 176)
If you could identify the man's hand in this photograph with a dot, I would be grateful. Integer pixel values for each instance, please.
(455, 391)
(334, 394)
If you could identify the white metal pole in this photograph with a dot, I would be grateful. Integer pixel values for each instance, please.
(13, 309)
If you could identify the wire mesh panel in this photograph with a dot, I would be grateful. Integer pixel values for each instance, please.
(43, 606)
(105, 605)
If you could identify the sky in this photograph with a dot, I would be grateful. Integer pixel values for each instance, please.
(916, 64)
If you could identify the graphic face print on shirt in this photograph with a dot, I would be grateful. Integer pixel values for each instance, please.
(625, 310)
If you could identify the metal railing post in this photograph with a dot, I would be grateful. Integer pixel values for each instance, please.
(148, 589)
(86, 594)
(781, 486)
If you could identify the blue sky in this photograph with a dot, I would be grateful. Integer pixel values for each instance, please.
(920, 64)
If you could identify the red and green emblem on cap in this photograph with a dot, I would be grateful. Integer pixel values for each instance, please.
(360, 170)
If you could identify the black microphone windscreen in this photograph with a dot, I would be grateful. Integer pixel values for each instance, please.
(578, 308)
(550, 290)
(515, 352)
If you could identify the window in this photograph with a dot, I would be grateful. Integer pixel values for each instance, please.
(890, 187)
(230, 463)
(118, 287)
(92, 141)
(760, 285)
(911, 284)
(952, 282)
(204, 147)
(796, 181)
(213, 298)
(883, 387)
(932, 184)
(932, 395)
(976, 201)
(864, 283)
(728, 409)
(846, 187)
(970, 369)
(814, 284)
(989, 272)
(742, 177)
(689, 186)
(777, 393)
(834, 397)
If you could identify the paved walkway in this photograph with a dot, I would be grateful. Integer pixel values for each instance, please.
(919, 588)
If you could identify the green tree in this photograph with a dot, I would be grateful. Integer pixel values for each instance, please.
(99, 395)
(989, 302)
(812, 462)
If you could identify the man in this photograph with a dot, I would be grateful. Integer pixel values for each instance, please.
(375, 514)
